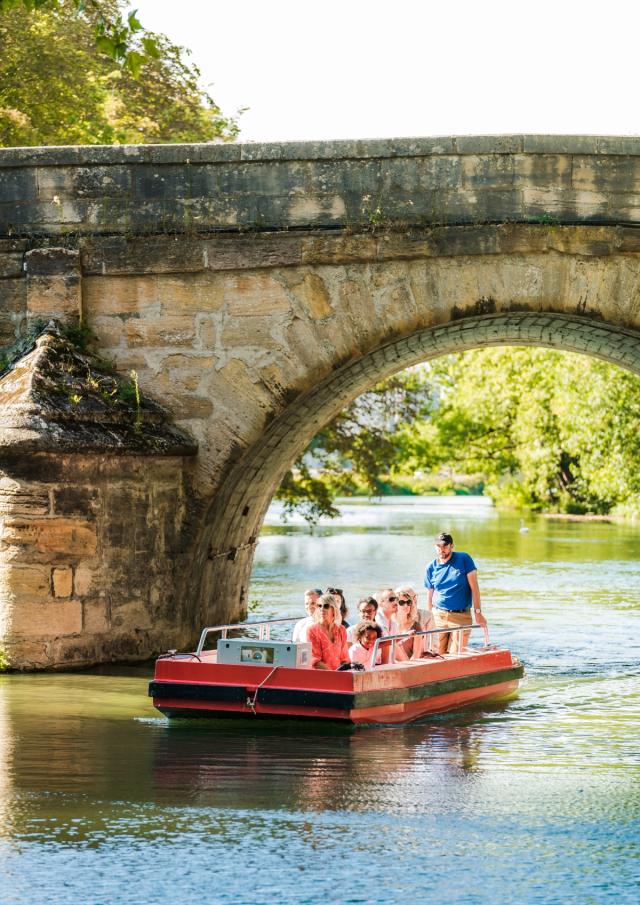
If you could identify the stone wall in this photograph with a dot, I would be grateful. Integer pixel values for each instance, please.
(90, 548)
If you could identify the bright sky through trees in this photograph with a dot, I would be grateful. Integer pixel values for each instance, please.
(368, 68)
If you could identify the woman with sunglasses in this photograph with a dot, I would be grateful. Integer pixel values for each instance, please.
(408, 621)
(338, 594)
(327, 635)
(425, 617)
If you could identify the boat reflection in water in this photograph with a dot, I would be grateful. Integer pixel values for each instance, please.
(281, 766)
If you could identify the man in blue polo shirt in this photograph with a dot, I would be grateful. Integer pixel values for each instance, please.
(451, 581)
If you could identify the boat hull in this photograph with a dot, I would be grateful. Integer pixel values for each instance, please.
(401, 693)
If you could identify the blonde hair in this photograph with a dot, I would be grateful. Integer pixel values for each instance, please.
(320, 602)
(413, 616)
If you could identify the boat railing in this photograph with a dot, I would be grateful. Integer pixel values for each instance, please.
(264, 633)
(385, 639)
(264, 629)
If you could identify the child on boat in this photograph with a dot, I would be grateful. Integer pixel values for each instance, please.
(361, 651)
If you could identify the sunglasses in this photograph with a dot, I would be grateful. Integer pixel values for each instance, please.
(334, 590)
(391, 599)
(404, 603)
(327, 606)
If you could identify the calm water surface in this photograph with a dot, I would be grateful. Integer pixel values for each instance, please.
(536, 800)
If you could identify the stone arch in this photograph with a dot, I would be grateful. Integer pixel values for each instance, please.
(234, 519)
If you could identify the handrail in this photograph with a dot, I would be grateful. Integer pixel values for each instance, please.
(262, 636)
(383, 639)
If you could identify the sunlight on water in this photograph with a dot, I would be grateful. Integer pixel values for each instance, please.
(535, 800)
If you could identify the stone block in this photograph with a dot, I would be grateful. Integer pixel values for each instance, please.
(607, 174)
(54, 297)
(20, 581)
(488, 144)
(188, 293)
(165, 332)
(11, 265)
(13, 296)
(184, 372)
(72, 500)
(62, 582)
(95, 617)
(344, 249)
(26, 654)
(312, 294)
(52, 619)
(132, 615)
(16, 498)
(83, 580)
(52, 262)
(250, 332)
(53, 284)
(50, 535)
(257, 293)
(83, 182)
(17, 184)
(248, 252)
(564, 204)
(117, 255)
(118, 295)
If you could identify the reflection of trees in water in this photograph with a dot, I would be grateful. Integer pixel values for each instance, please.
(286, 766)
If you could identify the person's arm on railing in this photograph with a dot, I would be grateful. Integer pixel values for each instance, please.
(472, 578)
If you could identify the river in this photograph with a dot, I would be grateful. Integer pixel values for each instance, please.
(536, 800)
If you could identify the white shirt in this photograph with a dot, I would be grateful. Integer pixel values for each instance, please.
(360, 654)
(300, 630)
(388, 626)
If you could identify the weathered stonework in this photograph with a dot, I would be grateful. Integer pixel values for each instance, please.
(256, 290)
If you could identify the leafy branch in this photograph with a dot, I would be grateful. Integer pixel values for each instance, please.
(122, 39)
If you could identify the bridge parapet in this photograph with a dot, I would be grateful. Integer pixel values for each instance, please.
(203, 188)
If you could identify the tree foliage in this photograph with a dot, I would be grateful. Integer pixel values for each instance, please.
(363, 443)
(543, 429)
(548, 430)
(57, 88)
(120, 37)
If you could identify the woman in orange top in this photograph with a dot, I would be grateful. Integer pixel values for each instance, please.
(327, 635)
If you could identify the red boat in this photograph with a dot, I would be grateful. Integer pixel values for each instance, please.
(248, 678)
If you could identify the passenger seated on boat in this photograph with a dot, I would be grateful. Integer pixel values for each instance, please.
(367, 609)
(361, 651)
(337, 593)
(425, 616)
(408, 621)
(387, 610)
(327, 635)
(302, 626)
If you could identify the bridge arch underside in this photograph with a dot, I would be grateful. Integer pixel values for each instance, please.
(232, 525)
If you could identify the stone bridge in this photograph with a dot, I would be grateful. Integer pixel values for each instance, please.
(255, 290)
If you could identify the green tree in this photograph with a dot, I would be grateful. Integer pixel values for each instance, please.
(548, 430)
(362, 444)
(542, 429)
(57, 88)
(120, 37)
